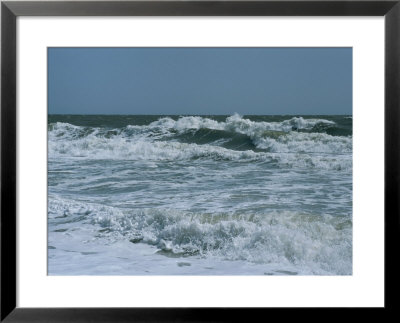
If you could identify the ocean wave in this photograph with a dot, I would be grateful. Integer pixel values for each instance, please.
(166, 126)
(237, 123)
(236, 139)
(319, 242)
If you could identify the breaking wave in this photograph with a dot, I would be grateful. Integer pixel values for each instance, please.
(295, 142)
(321, 244)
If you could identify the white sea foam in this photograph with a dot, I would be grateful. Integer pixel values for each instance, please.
(237, 123)
(140, 149)
(322, 244)
(155, 142)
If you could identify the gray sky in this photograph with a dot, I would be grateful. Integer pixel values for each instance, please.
(200, 80)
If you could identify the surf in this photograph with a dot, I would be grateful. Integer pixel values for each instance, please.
(194, 137)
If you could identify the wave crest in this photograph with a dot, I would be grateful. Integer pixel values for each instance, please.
(194, 137)
(313, 241)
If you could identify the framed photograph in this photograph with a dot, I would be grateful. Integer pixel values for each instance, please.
(197, 160)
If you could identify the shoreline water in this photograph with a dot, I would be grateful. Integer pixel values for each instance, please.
(172, 195)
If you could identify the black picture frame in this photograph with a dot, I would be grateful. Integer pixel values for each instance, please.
(10, 10)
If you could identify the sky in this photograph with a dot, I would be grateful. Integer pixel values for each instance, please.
(216, 81)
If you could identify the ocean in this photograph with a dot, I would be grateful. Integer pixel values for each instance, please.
(199, 195)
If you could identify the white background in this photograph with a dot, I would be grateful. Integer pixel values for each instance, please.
(363, 288)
